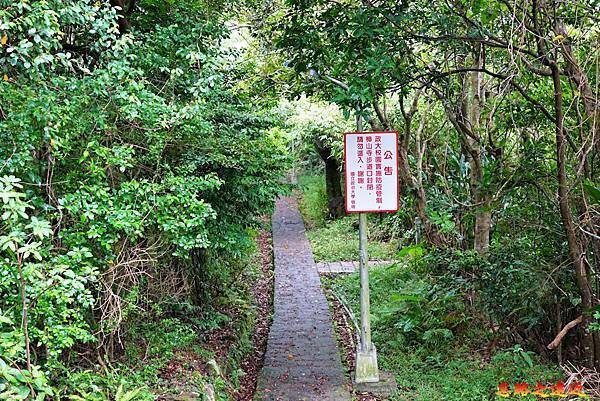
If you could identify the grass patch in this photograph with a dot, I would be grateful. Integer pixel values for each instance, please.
(461, 377)
(313, 200)
(426, 336)
(333, 240)
(338, 240)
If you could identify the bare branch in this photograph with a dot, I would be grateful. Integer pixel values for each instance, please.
(564, 332)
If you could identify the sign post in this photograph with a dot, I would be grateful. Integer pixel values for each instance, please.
(371, 160)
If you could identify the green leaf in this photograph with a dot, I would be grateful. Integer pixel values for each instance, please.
(412, 251)
(39, 228)
(406, 298)
(23, 392)
(527, 359)
(593, 192)
(8, 195)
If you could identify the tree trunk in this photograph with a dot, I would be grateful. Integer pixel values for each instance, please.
(577, 75)
(483, 224)
(333, 181)
(415, 183)
(126, 8)
(333, 187)
(592, 117)
(576, 253)
(481, 199)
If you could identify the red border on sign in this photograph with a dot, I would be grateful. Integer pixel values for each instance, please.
(346, 172)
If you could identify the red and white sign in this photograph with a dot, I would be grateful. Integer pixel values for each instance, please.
(371, 160)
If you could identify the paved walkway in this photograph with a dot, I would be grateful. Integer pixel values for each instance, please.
(302, 360)
(347, 267)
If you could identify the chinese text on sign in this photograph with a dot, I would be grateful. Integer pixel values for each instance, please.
(371, 160)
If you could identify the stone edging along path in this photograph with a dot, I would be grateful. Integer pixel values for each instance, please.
(302, 362)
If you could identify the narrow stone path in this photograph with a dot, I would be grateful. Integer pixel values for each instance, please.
(302, 362)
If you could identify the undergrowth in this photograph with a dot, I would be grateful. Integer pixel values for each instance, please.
(313, 200)
(335, 240)
(436, 347)
(339, 241)
(179, 348)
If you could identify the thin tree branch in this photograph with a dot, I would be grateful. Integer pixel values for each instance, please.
(564, 332)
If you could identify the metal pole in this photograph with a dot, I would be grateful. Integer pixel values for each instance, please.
(366, 356)
(365, 319)
(366, 370)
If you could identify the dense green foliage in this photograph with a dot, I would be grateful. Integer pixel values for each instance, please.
(425, 334)
(134, 163)
(496, 104)
(140, 141)
(310, 122)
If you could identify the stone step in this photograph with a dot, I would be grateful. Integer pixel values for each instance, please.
(347, 266)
